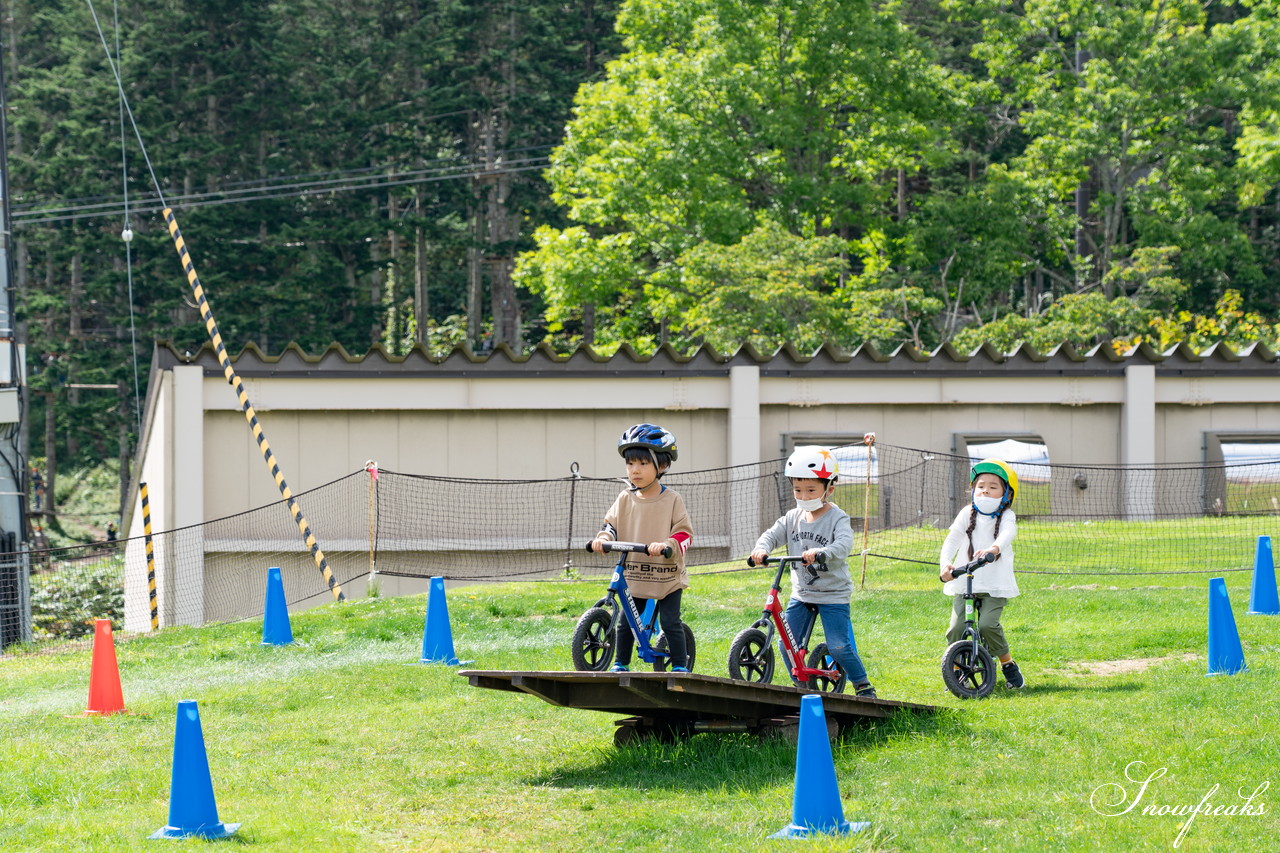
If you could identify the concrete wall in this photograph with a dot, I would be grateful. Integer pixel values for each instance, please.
(533, 417)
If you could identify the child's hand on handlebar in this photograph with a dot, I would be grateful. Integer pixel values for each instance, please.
(994, 549)
(596, 545)
(657, 549)
(946, 575)
(758, 557)
(811, 556)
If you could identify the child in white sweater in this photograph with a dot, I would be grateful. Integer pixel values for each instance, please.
(986, 526)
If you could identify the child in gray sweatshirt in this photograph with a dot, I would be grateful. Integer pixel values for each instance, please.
(819, 532)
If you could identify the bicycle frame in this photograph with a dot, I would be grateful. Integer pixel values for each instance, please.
(643, 625)
(970, 600)
(773, 618)
(968, 669)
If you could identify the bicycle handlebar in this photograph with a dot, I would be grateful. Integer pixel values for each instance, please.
(960, 571)
(629, 547)
(781, 560)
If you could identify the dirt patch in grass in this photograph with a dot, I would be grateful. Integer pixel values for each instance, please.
(1121, 667)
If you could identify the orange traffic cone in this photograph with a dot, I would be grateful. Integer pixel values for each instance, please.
(105, 696)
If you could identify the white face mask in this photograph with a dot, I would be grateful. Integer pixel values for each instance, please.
(985, 504)
(811, 506)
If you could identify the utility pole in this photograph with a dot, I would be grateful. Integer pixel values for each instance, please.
(15, 571)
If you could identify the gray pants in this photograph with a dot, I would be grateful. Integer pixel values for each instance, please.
(988, 608)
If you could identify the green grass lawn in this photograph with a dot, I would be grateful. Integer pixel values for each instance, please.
(344, 742)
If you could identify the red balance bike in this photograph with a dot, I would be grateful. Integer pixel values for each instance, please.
(751, 654)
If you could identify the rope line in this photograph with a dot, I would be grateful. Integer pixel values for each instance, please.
(1043, 572)
(126, 234)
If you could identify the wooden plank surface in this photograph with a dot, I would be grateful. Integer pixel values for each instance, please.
(680, 696)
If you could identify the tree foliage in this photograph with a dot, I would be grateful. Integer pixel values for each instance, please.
(730, 164)
(720, 172)
(344, 172)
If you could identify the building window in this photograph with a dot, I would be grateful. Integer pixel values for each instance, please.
(1027, 455)
(1242, 473)
(852, 493)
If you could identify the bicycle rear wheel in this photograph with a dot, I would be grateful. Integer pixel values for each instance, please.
(819, 659)
(660, 645)
(968, 675)
(751, 657)
(593, 641)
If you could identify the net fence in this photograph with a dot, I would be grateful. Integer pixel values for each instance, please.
(399, 530)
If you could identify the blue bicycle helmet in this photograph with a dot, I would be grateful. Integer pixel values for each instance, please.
(650, 437)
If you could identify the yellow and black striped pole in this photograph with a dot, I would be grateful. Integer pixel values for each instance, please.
(151, 557)
(212, 328)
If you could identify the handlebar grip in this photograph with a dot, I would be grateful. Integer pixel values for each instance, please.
(968, 568)
(608, 545)
(821, 564)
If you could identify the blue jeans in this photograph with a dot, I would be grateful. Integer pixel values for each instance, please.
(837, 630)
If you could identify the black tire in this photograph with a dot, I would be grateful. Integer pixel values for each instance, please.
(751, 657)
(819, 659)
(966, 676)
(660, 645)
(593, 641)
(625, 736)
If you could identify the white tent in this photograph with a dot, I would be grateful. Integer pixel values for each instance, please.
(1029, 459)
(1252, 461)
(853, 462)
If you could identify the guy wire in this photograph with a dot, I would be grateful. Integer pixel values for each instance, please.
(215, 337)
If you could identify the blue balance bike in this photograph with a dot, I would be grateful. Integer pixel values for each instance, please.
(595, 635)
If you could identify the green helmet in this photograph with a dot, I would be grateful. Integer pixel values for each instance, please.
(1000, 469)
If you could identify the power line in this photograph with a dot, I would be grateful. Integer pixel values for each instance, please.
(353, 180)
(455, 161)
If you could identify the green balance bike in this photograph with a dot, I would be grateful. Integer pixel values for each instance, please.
(968, 669)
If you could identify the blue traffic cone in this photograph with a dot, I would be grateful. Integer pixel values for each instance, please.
(1226, 657)
(437, 637)
(816, 808)
(192, 810)
(275, 615)
(1262, 598)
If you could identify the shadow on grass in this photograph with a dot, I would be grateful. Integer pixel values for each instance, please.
(1064, 687)
(710, 761)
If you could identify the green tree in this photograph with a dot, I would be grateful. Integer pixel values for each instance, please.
(1082, 319)
(323, 160)
(724, 122)
(1123, 106)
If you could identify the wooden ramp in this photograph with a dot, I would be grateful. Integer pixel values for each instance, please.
(671, 705)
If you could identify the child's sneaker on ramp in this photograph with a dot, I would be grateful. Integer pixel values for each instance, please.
(1012, 675)
(865, 690)
(679, 669)
(619, 667)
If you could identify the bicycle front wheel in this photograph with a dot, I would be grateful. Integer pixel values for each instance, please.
(593, 641)
(966, 674)
(819, 659)
(751, 657)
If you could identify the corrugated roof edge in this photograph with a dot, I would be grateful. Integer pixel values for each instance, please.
(866, 360)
